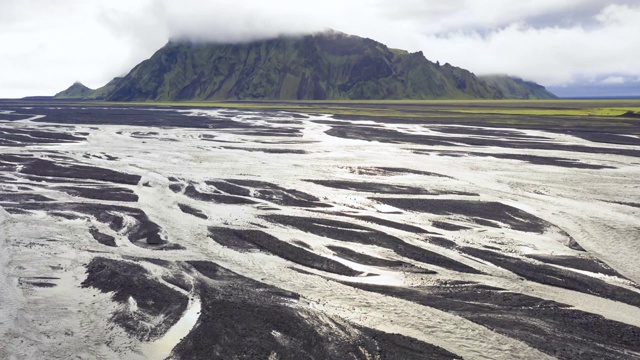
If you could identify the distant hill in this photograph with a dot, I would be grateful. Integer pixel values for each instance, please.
(75, 91)
(328, 65)
(516, 88)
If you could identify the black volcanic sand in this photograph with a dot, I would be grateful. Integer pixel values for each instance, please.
(22, 197)
(192, 211)
(159, 306)
(43, 167)
(100, 193)
(24, 137)
(102, 238)
(344, 231)
(229, 188)
(271, 192)
(448, 226)
(548, 326)
(578, 263)
(144, 233)
(267, 150)
(151, 117)
(554, 276)
(176, 188)
(388, 223)
(532, 159)
(384, 188)
(386, 135)
(476, 211)
(245, 319)
(193, 193)
(497, 133)
(391, 171)
(365, 259)
(256, 239)
(632, 204)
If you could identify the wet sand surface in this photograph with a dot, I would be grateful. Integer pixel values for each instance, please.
(148, 233)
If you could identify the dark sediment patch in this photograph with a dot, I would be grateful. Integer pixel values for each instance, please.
(24, 137)
(548, 326)
(475, 210)
(279, 195)
(37, 281)
(42, 167)
(578, 263)
(344, 231)
(386, 135)
(550, 275)
(193, 193)
(497, 133)
(14, 211)
(22, 197)
(178, 280)
(102, 238)
(142, 232)
(40, 284)
(400, 347)
(441, 241)
(245, 319)
(246, 239)
(159, 306)
(632, 204)
(176, 188)
(192, 211)
(390, 224)
(229, 188)
(532, 159)
(384, 188)
(606, 137)
(267, 150)
(391, 171)
(302, 244)
(100, 193)
(365, 259)
(135, 116)
(448, 226)
(268, 131)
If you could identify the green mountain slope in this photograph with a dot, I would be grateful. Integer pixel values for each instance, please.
(516, 88)
(105, 91)
(322, 66)
(75, 91)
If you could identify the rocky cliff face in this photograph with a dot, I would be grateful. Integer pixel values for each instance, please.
(516, 88)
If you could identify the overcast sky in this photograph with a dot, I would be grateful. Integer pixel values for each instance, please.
(46, 45)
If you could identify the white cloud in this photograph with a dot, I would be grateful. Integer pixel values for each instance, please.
(613, 80)
(47, 45)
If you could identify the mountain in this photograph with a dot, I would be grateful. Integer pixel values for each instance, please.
(105, 91)
(75, 91)
(328, 65)
(516, 88)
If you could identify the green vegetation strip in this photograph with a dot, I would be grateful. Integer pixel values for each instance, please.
(601, 112)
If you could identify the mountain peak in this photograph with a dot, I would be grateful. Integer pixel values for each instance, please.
(75, 91)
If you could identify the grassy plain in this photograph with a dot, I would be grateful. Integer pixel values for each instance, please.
(564, 115)
(418, 108)
(613, 115)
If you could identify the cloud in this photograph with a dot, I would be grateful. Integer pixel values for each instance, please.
(47, 45)
(613, 80)
(550, 55)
